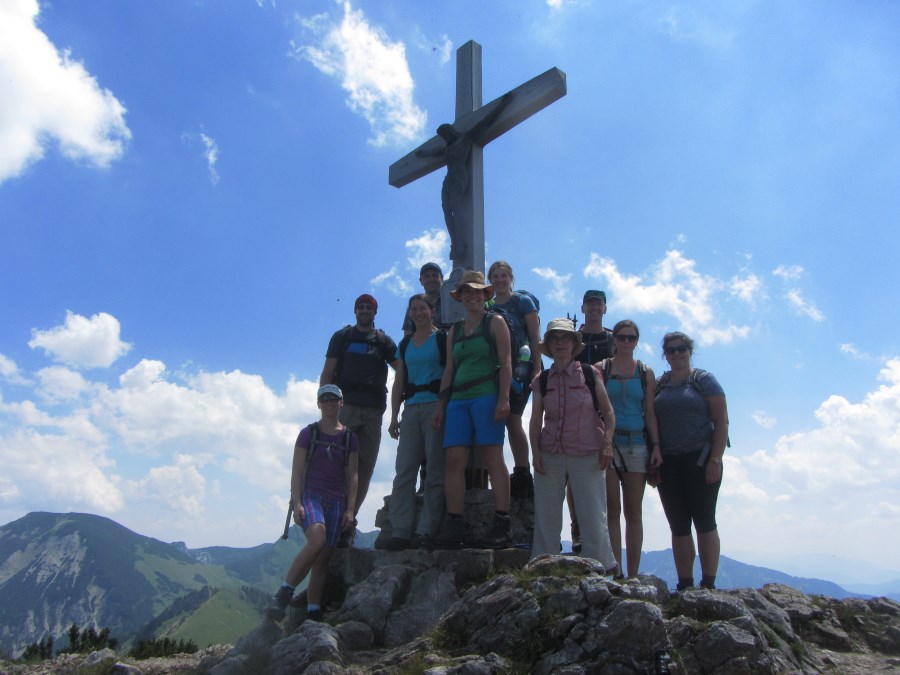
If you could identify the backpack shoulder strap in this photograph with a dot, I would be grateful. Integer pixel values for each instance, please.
(347, 433)
(441, 339)
(404, 344)
(642, 374)
(606, 370)
(591, 383)
(542, 381)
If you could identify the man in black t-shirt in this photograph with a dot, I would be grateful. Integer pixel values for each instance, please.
(357, 361)
(598, 341)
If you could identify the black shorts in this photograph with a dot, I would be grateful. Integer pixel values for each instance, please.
(686, 496)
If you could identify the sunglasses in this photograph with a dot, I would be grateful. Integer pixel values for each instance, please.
(680, 349)
(626, 338)
(329, 399)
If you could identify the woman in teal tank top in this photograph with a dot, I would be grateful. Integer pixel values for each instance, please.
(631, 387)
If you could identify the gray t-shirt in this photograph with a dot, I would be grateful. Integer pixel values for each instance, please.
(682, 413)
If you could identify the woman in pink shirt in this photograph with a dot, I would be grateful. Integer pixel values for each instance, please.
(570, 444)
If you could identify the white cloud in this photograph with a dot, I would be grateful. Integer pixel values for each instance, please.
(560, 283)
(852, 350)
(178, 487)
(10, 371)
(47, 95)
(393, 282)
(748, 288)
(82, 342)
(803, 306)
(675, 287)
(210, 152)
(788, 272)
(764, 420)
(431, 246)
(687, 24)
(371, 69)
(441, 47)
(61, 384)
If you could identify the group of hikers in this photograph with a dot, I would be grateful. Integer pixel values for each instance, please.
(602, 427)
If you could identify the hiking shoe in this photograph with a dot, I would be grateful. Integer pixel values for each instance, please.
(276, 609)
(454, 535)
(521, 483)
(396, 544)
(348, 537)
(314, 615)
(421, 541)
(498, 536)
(576, 537)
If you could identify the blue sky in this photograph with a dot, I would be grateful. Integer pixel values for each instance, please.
(193, 193)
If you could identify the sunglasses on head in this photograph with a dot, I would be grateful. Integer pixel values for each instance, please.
(626, 338)
(680, 349)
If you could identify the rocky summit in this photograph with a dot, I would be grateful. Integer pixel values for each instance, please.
(476, 611)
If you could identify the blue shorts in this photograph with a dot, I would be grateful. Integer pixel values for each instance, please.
(469, 418)
(329, 512)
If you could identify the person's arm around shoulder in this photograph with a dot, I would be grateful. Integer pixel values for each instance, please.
(501, 340)
(437, 419)
(650, 423)
(536, 424)
(609, 419)
(352, 479)
(298, 473)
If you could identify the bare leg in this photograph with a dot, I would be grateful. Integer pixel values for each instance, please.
(613, 515)
(518, 441)
(708, 544)
(316, 585)
(455, 478)
(634, 523)
(684, 553)
(303, 562)
(493, 459)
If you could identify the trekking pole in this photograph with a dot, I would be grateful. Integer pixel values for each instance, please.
(287, 521)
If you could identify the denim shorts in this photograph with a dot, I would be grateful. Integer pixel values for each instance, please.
(469, 418)
(329, 512)
(632, 449)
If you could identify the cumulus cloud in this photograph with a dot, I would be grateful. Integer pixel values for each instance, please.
(673, 286)
(58, 383)
(803, 306)
(10, 371)
(393, 282)
(559, 283)
(49, 96)
(764, 420)
(371, 69)
(82, 342)
(788, 272)
(748, 288)
(430, 246)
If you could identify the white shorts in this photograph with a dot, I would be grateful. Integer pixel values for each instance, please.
(632, 449)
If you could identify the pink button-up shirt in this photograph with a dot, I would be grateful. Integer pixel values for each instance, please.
(571, 425)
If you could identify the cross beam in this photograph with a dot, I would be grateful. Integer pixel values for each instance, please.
(526, 100)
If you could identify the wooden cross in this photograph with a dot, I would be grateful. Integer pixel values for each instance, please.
(526, 100)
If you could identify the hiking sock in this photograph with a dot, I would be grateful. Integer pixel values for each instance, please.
(312, 607)
(708, 581)
(684, 583)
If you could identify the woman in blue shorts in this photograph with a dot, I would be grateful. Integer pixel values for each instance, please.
(693, 432)
(476, 382)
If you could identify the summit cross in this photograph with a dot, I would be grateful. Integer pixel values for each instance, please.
(475, 126)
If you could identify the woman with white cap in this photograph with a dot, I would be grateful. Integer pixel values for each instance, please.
(570, 444)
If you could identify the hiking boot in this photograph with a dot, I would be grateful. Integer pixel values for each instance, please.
(314, 615)
(498, 536)
(277, 608)
(421, 541)
(521, 483)
(396, 544)
(576, 537)
(454, 535)
(347, 537)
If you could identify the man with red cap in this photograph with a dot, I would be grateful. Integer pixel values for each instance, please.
(357, 361)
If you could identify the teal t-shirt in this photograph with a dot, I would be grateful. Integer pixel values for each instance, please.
(627, 399)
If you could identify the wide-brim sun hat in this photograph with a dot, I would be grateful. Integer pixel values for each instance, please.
(562, 326)
(473, 279)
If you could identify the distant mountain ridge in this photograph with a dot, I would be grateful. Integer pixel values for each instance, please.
(56, 569)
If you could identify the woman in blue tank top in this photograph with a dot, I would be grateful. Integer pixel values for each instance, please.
(631, 388)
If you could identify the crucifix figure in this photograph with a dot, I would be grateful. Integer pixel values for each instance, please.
(459, 147)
